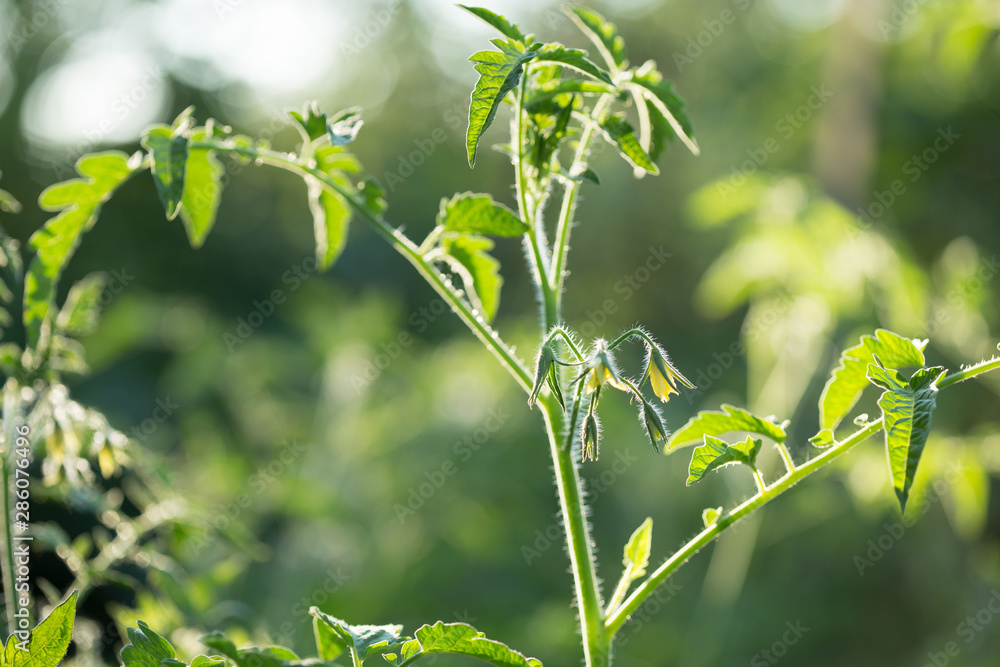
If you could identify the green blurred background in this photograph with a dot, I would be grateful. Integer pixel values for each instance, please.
(335, 418)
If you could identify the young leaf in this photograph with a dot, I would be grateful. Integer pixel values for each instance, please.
(823, 439)
(710, 515)
(344, 126)
(648, 84)
(312, 121)
(202, 190)
(621, 132)
(363, 640)
(716, 453)
(331, 213)
(479, 214)
(80, 311)
(371, 193)
(499, 72)
(145, 648)
(206, 661)
(844, 387)
(573, 58)
(603, 34)
(79, 201)
(729, 420)
(49, 640)
(463, 639)
(169, 151)
(506, 28)
(906, 407)
(472, 253)
(636, 557)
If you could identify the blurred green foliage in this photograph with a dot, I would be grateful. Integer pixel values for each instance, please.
(392, 473)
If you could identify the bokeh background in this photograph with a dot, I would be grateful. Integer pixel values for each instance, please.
(848, 180)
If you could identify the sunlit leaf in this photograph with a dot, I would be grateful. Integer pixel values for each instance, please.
(49, 640)
(506, 28)
(648, 84)
(907, 406)
(574, 59)
(145, 648)
(463, 639)
(472, 253)
(499, 72)
(621, 132)
(710, 515)
(603, 34)
(79, 201)
(169, 152)
(364, 640)
(202, 190)
(730, 420)
(635, 557)
(81, 310)
(716, 453)
(844, 387)
(479, 214)
(343, 127)
(312, 121)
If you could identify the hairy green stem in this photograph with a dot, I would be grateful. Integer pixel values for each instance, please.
(574, 517)
(535, 236)
(401, 243)
(618, 618)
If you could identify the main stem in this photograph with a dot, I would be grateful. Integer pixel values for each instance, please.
(596, 641)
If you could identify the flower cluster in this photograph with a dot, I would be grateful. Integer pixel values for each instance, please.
(599, 369)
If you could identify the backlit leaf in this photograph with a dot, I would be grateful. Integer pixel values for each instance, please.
(49, 640)
(603, 34)
(79, 201)
(621, 132)
(844, 387)
(472, 253)
(499, 72)
(463, 639)
(479, 214)
(169, 152)
(202, 190)
(716, 453)
(907, 406)
(729, 420)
